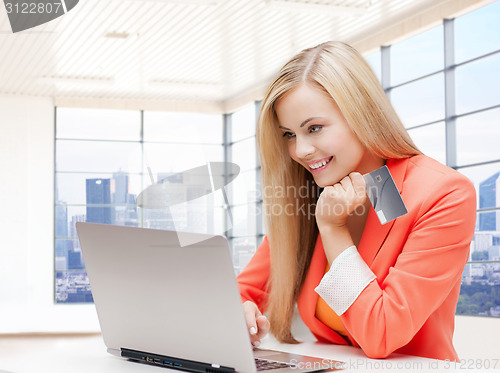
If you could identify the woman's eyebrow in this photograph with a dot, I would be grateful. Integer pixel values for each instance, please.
(302, 124)
(307, 121)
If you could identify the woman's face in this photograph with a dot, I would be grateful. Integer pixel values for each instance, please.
(319, 137)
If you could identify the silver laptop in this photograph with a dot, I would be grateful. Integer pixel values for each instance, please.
(172, 306)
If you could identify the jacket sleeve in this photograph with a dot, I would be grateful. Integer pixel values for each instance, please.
(253, 280)
(388, 313)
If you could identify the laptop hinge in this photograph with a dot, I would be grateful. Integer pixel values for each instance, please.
(173, 362)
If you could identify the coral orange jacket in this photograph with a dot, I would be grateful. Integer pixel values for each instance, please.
(418, 260)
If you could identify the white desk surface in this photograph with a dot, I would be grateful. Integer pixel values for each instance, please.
(87, 353)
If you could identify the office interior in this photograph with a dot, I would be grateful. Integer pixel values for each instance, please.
(114, 87)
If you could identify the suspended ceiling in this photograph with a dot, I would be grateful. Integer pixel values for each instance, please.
(207, 55)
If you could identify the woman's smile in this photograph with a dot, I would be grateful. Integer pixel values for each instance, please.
(317, 166)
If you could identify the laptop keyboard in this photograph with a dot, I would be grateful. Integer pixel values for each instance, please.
(263, 364)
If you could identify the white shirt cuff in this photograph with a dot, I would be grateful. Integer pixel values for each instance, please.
(346, 279)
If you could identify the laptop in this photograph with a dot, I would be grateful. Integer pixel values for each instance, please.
(177, 307)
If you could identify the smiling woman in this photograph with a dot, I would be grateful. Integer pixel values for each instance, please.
(324, 121)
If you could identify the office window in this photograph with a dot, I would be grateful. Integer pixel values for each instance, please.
(244, 248)
(478, 137)
(417, 56)
(89, 124)
(246, 201)
(431, 140)
(185, 128)
(173, 144)
(480, 293)
(477, 33)
(478, 84)
(477, 49)
(421, 101)
(243, 123)
(375, 62)
(465, 137)
(244, 154)
(102, 162)
(93, 149)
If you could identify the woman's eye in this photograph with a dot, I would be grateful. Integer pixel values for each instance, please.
(288, 135)
(313, 129)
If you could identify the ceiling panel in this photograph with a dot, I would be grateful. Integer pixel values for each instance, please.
(173, 50)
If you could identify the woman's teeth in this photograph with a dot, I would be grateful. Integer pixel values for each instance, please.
(320, 164)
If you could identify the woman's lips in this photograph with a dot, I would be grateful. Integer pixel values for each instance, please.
(320, 168)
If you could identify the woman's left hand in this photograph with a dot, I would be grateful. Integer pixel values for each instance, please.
(338, 201)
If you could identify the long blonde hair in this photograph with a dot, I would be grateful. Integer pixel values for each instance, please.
(344, 75)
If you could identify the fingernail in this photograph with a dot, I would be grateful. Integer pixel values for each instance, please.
(256, 344)
(253, 330)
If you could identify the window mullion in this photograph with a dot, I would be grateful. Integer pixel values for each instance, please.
(449, 93)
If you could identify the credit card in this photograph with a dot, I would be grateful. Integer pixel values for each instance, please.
(384, 195)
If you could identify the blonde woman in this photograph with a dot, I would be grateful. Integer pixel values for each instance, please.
(324, 122)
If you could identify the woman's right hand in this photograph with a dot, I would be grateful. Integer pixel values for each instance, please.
(258, 324)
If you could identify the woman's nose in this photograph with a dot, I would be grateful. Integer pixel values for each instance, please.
(303, 148)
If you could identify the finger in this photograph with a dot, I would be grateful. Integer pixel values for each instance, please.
(338, 189)
(346, 184)
(359, 184)
(263, 326)
(328, 192)
(328, 189)
(251, 314)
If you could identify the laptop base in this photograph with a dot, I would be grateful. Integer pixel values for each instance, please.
(174, 363)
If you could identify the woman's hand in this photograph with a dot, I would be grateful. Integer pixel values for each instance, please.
(258, 324)
(338, 201)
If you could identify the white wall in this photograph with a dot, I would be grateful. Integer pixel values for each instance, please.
(477, 338)
(27, 223)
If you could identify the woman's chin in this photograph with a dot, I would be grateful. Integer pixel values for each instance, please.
(323, 181)
(321, 185)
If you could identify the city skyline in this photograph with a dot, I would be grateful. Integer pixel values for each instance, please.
(108, 201)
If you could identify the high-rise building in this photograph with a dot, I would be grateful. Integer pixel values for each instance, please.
(99, 193)
(494, 252)
(75, 260)
(125, 209)
(61, 219)
(120, 193)
(489, 198)
(61, 242)
(72, 227)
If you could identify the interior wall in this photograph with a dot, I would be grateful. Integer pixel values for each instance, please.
(477, 338)
(27, 222)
